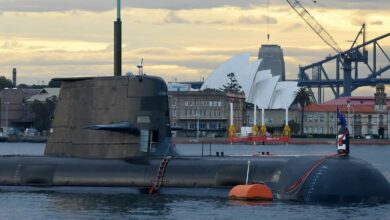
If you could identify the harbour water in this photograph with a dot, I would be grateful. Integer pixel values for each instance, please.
(110, 203)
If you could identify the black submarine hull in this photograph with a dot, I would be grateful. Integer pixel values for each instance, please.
(312, 179)
(115, 131)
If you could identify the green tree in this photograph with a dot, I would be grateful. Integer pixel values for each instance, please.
(23, 86)
(232, 85)
(54, 84)
(294, 126)
(303, 98)
(43, 113)
(5, 83)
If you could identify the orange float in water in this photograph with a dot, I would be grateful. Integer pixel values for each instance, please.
(251, 192)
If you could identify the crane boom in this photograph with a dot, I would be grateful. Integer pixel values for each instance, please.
(314, 25)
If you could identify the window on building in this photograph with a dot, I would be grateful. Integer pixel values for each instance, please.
(219, 103)
(321, 118)
(381, 119)
(320, 130)
(309, 130)
(185, 103)
(331, 117)
(369, 119)
(315, 118)
(174, 112)
(174, 102)
(310, 118)
(315, 130)
(304, 130)
(186, 112)
(210, 103)
(192, 125)
(331, 130)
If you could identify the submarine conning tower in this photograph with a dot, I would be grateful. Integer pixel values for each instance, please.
(111, 117)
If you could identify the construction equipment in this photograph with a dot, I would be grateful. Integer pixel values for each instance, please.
(314, 25)
(347, 60)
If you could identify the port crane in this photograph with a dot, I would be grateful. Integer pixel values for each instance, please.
(346, 60)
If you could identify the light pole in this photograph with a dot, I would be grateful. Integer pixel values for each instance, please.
(197, 123)
(6, 115)
(348, 124)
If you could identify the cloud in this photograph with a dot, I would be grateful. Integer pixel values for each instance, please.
(172, 17)
(11, 45)
(357, 21)
(250, 19)
(104, 5)
(376, 22)
(292, 27)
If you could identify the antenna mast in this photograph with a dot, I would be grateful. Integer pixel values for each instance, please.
(118, 42)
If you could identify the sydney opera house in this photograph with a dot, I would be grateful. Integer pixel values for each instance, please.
(260, 87)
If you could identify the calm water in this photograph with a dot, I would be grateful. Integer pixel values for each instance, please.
(111, 204)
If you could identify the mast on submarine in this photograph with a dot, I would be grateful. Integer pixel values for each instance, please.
(118, 42)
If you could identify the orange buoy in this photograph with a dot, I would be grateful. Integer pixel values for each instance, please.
(259, 192)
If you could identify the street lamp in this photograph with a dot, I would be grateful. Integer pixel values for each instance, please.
(6, 115)
(348, 106)
(197, 123)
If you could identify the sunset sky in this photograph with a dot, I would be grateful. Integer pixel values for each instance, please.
(179, 39)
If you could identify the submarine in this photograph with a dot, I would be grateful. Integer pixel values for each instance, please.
(114, 131)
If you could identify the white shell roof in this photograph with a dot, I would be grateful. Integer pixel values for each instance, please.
(264, 91)
(284, 95)
(218, 77)
(246, 77)
(260, 87)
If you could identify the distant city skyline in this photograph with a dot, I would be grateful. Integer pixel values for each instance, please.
(178, 39)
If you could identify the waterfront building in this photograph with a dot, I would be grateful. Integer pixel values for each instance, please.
(204, 113)
(15, 111)
(366, 116)
(274, 119)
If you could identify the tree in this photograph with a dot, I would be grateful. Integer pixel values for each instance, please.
(233, 85)
(5, 83)
(303, 98)
(54, 84)
(23, 86)
(294, 126)
(43, 113)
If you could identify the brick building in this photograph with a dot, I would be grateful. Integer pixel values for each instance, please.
(204, 113)
(366, 116)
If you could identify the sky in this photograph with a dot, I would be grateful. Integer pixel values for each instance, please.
(178, 39)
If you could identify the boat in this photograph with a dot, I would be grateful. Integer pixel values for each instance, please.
(114, 132)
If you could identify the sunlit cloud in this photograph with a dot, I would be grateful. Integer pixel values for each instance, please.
(177, 39)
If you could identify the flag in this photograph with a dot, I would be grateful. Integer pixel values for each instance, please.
(341, 118)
